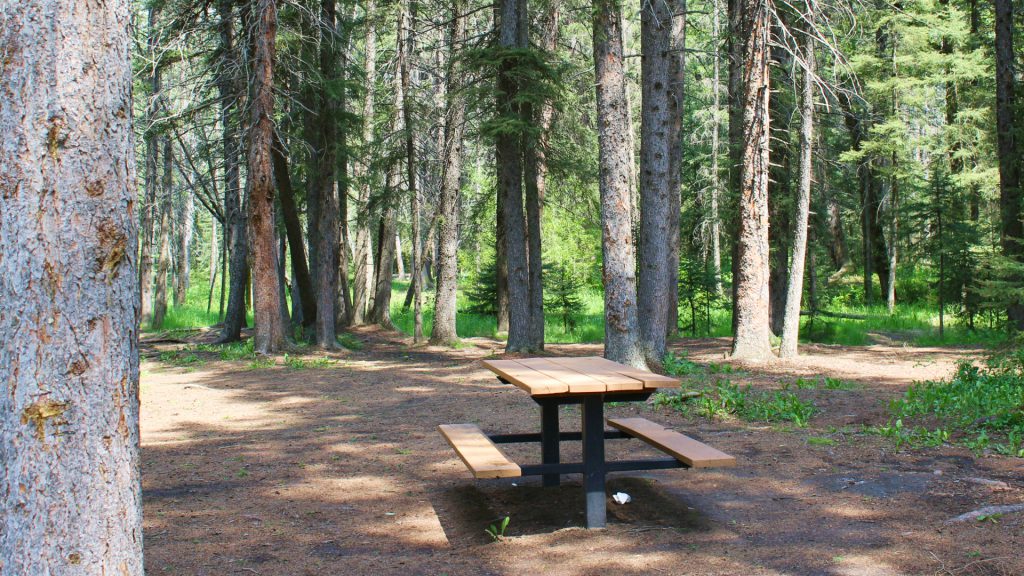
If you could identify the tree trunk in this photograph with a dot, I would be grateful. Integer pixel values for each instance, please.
(237, 235)
(736, 35)
(509, 157)
(269, 336)
(343, 308)
(327, 208)
(535, 166)
(405, 54)
(363, 279)
(380, 313)
(293, 231)
(444, 332)
(149, 206)
(163, 263)
(791, 322)
(183, 265)
(70, 494)
(716, 129)
(622, 334)
(213, 265)
(500, 263)
(1011, 231)
(661, 90)
(752, 338)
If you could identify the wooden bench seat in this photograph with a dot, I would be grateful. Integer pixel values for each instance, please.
(481, 456)
(683, 448)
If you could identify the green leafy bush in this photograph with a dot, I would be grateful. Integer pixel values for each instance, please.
(981, 407)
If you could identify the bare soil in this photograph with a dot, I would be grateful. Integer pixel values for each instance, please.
(340, 470)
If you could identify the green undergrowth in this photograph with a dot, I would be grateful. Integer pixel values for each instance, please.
(725, 399)
(911, 323)
(705, 392)
(980, 407)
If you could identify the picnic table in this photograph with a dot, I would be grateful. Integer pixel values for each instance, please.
(590, 382)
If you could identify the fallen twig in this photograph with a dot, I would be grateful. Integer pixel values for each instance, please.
(987, 511)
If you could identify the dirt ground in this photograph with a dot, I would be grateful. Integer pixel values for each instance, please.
(340, 470)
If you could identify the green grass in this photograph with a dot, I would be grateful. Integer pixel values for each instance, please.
(913, 324)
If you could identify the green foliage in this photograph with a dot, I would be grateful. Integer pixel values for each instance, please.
(306, 364)
(497, 532)
(724, 398)
(981, 407)
(562, 294)
(482, 297)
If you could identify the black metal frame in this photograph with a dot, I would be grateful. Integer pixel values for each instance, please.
(594, 467)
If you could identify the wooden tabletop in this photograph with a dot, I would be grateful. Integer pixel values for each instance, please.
(576, 375)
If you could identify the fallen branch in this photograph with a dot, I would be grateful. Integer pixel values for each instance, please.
(987, 511)
(828, 314)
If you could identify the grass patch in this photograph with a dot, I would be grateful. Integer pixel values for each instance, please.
(185, 357)
(294, 363)
(726, 399)
(981, 407)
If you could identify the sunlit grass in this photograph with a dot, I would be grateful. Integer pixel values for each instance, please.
(912, 324)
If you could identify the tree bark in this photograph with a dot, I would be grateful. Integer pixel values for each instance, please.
(1011, 230)
(622, 334)
(660, 120)
(163, 263)
(535, 167)
(715, 224)
(751, 340)
(293, 231)
(735, 9)
(405, 55)
(380, 312)
(363, 280)
(327, 209)
(269, 335)
(70, 493)
(236, 241)
(509, 157)
(444, 331)
(183, 266)
(152, 177)
(791, 322)
(500, 263)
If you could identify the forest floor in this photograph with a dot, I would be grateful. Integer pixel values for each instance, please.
(316, 466)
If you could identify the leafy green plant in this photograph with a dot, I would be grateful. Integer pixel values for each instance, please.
(981, 407)
(724, 398)
(497, 532)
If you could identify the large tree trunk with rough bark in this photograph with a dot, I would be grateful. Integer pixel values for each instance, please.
(751, 340)
(269, 335)
(660, 121)
(621, 325)
(735, 39)
(1011, 230)
(236, 242)
(791, 321)
(509, 157)
(70, 494)
(327, 202)
(448, 241)
(362, 289)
